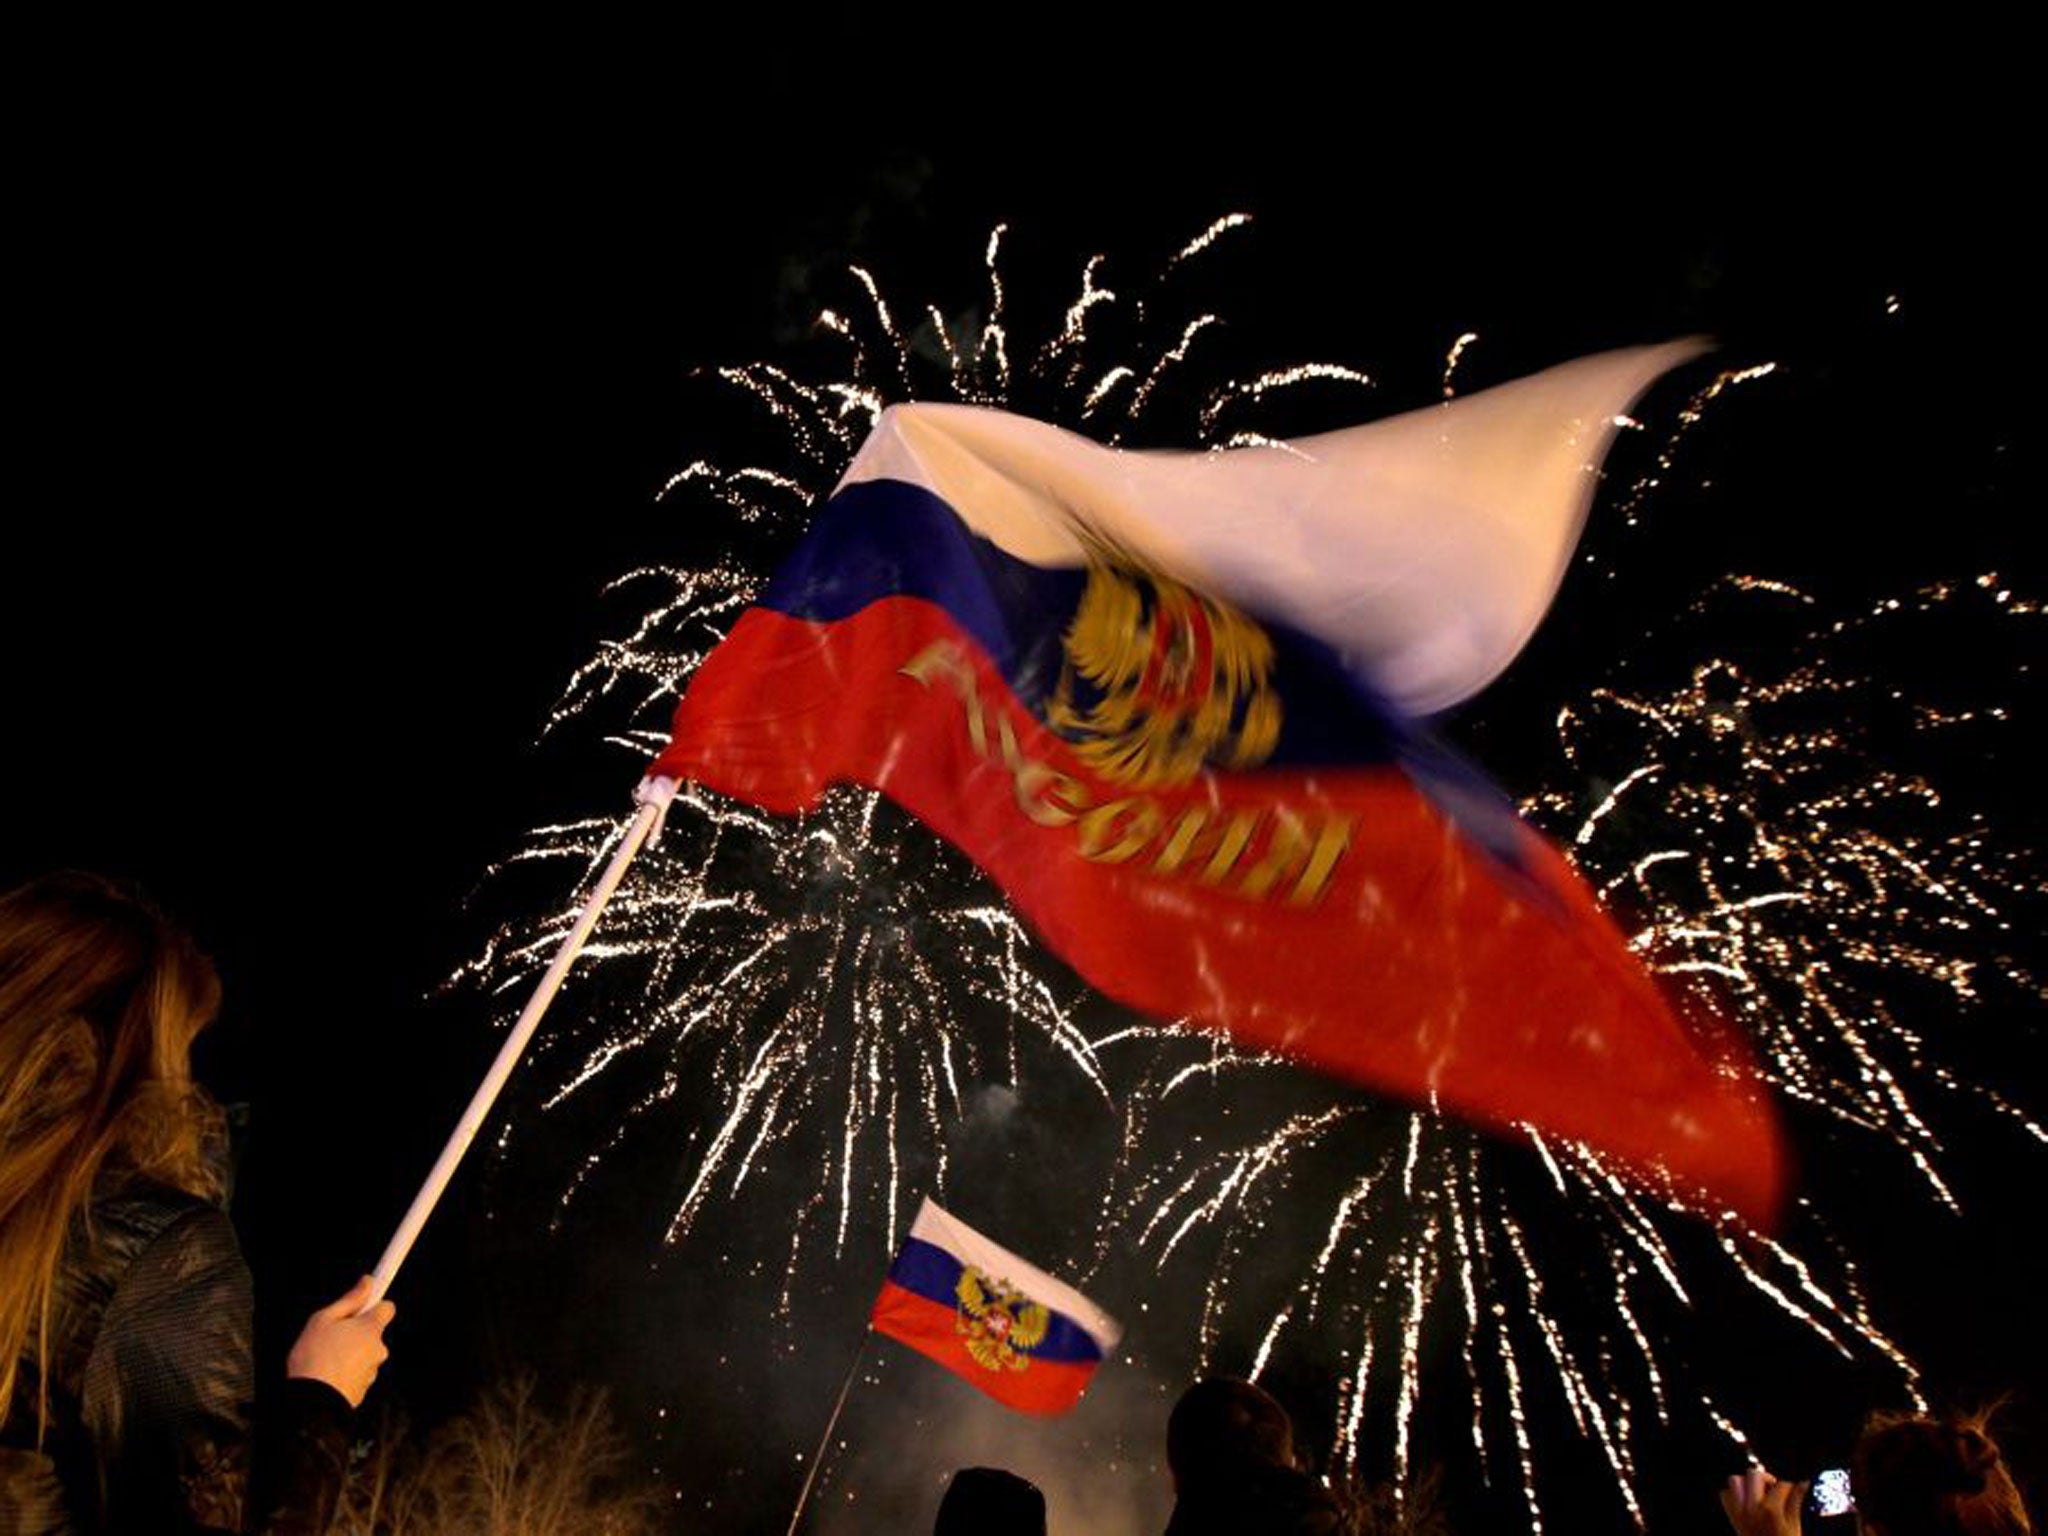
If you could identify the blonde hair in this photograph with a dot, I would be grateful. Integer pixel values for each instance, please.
(101, 997)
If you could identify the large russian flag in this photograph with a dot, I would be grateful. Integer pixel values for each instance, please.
(1166, 700)
(1029, 1341)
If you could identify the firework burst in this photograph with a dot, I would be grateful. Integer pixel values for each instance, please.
(841, 968)
(828, 969)
(825, 991)
(1779, 864)
(1755, 823)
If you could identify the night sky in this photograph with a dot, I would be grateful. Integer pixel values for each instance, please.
(344, 388)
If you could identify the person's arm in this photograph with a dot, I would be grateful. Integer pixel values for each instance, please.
(168, 1389)
(301, 1459)
(302, 1450)
(1757, 1504)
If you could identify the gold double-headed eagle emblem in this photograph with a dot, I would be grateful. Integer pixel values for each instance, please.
(1160, 680)
(998, 1323)
(1157, 683)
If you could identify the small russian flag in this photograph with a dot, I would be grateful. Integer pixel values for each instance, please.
(1025, 1339)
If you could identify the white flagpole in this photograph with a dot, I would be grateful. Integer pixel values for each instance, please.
(825, 1440)
(654, 796)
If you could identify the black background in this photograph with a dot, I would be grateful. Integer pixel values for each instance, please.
(345, 369)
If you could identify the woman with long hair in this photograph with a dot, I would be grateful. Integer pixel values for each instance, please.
(125, 1312)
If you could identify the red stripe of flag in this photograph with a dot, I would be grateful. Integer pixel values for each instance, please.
(932, 1328)
(1378, 944)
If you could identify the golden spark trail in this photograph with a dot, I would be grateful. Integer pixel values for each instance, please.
(818, 1002)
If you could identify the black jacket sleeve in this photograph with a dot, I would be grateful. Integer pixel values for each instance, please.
(301, 1458)
(167, 1393)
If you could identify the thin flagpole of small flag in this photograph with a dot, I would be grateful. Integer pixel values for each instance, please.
(1000, 1323)
(839, 1404)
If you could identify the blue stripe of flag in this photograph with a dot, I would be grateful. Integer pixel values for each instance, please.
(887, 538)
(929, 1271)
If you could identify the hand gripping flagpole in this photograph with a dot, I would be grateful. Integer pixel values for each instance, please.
(653, 796)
